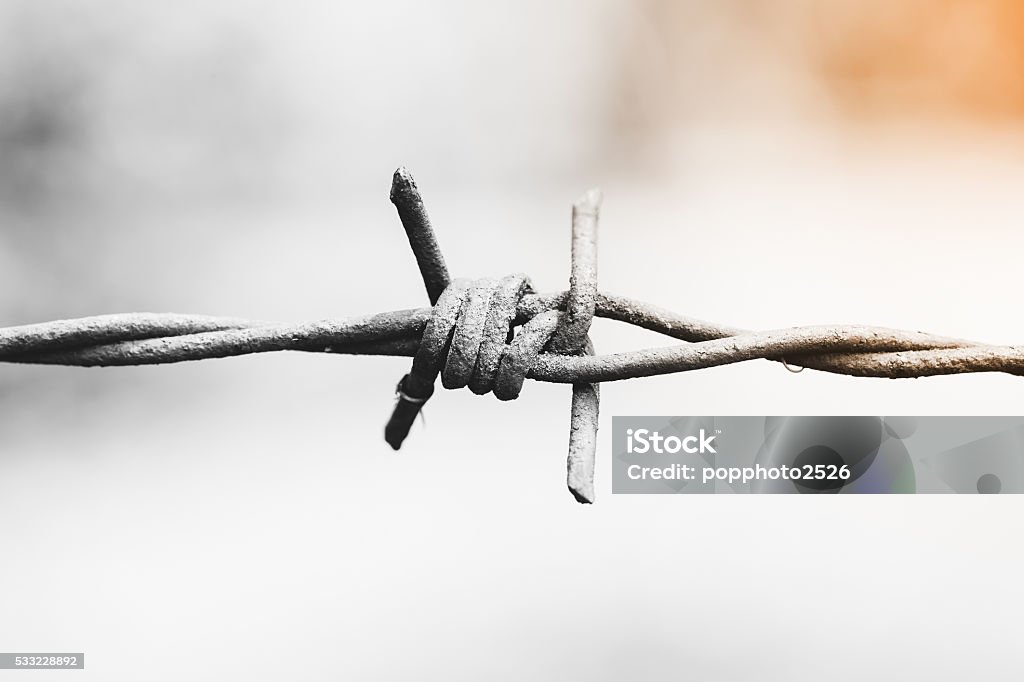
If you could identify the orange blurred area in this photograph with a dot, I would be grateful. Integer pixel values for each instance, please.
(960, 57)
(870, 60)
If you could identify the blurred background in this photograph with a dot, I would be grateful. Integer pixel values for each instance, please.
(765, 163)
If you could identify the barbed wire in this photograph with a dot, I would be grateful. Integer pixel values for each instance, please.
(492, 334)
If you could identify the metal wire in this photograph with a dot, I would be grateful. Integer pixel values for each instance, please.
(154, 338)
(500, 332)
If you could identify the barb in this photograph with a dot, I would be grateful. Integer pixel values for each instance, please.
(494, 334)
(405, 195)
(415, 388)
(571, 337)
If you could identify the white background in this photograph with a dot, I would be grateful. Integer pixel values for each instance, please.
(244, 519)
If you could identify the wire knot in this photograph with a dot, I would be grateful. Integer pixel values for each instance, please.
(477, 355)
(471, 337)
(470, 340)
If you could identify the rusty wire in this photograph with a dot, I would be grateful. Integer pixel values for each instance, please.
(491, 335)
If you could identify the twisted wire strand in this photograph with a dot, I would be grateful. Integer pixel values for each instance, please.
(151, 338)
